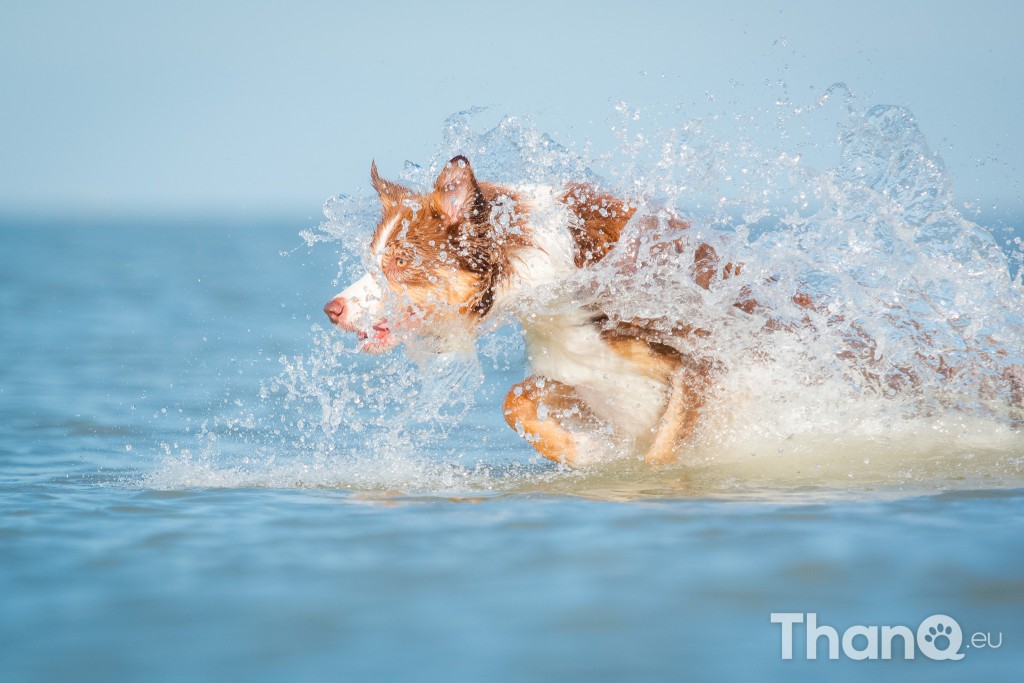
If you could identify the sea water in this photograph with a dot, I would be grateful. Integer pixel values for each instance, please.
(200, 480)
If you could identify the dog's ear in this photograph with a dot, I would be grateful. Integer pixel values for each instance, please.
(456, 193)
(389, 192)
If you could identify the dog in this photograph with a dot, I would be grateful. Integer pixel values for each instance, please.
(447, 260)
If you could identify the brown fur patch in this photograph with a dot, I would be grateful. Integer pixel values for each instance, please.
(705, 265)
(598, 220)
(647, 342)
(444, 298)
(653, 360)
(547, 434)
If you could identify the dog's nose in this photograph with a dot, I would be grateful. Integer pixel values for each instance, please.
(335, 309)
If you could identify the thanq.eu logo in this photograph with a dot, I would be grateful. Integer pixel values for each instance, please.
(938, 637)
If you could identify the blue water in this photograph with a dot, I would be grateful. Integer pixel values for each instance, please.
(200, 481)
(144, 535)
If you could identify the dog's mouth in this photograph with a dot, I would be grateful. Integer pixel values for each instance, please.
(377, 339)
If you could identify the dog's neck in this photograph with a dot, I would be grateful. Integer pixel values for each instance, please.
(544, 269)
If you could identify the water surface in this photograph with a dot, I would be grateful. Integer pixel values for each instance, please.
(200, 481)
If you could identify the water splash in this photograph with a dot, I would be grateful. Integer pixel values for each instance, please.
(899, 370)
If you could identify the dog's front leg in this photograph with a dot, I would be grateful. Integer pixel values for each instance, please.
(686, 394)
(533, 408)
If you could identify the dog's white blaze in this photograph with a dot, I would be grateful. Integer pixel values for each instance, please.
(385, 235)
(363, 300)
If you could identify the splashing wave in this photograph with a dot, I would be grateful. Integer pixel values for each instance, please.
(898, 373)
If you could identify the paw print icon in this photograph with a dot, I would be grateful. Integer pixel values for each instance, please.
(940, 637)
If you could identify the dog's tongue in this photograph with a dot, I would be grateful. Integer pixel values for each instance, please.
(377, 338)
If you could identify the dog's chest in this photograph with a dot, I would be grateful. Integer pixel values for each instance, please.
(568, 348)
(562, 343)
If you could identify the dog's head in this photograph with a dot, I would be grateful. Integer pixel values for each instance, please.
(436, 261)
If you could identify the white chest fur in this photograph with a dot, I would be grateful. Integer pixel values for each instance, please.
(567, 348)
(562, 344)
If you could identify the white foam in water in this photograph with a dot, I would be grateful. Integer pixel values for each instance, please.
(898, 375)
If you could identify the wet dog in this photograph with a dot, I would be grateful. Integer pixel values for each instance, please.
(446, 260)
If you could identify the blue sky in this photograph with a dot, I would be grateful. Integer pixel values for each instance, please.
(119, 107)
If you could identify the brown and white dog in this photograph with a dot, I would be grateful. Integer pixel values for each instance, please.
(446, 260)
